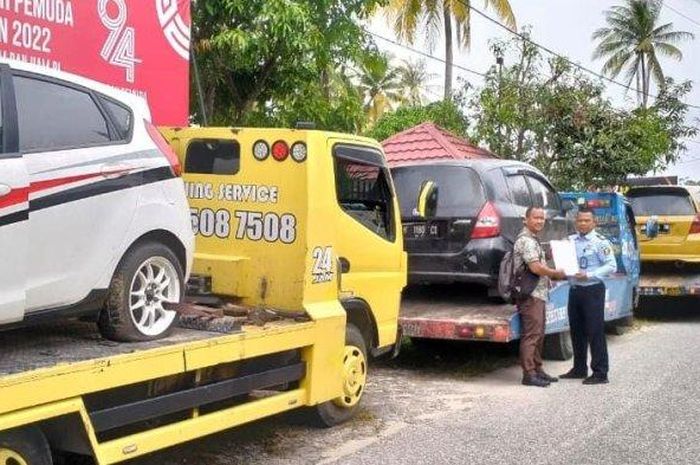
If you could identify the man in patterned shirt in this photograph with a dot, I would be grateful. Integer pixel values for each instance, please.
(529, 257)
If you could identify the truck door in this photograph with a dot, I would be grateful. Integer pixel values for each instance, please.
(14, 209)
(370, 242)
(630, 245)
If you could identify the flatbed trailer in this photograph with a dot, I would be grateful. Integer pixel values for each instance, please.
(119, 401)
(451, 313)
(671, 280)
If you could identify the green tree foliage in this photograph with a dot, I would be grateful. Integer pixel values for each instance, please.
(633, 41)
(445, 114)
(277, 61)
(550, 115)
(435, 17)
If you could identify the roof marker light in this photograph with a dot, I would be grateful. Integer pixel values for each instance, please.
(261, 150)
(280, 150)
(299, 152)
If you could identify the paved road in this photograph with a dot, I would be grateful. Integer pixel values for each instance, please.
(434, 413)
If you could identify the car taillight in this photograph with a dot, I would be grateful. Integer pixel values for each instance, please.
(164, 148)
(488, 223)
(695, 226)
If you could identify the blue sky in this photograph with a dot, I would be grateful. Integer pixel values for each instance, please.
(565, 26)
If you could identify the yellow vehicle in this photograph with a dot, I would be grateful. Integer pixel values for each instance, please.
(677, 216)
(299, 246)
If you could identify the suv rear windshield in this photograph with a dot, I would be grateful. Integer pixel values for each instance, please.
(460, 193)
(662, 204)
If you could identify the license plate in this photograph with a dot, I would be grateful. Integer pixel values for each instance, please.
(418, 231)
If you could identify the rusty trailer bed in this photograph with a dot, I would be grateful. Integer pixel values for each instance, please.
(449, 313)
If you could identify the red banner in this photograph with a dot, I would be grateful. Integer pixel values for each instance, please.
(138, 45)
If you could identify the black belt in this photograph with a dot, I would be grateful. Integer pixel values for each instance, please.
(590, 286)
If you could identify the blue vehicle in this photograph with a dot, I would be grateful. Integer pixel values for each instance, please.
(456, 315)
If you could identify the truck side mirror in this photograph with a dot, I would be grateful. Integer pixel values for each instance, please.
(427, 200)
(651, 229)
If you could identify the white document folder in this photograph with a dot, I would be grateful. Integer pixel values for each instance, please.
(564, 256)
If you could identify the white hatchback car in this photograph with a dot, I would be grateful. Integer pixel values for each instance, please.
(93, 214)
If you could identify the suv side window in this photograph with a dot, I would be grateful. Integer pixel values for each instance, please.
(363, 189)
(543, 196)
(54, 117)
(519, 190)
(213, 156)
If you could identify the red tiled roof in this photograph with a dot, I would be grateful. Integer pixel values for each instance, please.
(428, 142)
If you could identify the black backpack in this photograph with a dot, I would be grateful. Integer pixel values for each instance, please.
(515, 285)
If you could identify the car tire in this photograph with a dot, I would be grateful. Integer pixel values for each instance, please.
(342, 409)
(148, 275)
(558, 346)
(25, 446)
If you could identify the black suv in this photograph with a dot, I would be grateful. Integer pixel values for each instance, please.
(480, 209)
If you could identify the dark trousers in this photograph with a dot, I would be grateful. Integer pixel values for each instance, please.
(587, 321)
(532, 312)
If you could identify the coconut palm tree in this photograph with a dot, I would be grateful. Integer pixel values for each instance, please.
(415, 81)
(379, 82)
(633, 41)
(439, 16)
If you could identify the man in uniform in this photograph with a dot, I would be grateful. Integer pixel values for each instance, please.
(528, 252)
(587, 300)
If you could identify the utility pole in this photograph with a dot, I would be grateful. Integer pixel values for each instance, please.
(498, 51)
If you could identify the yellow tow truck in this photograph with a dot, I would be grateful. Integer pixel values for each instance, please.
(298, 272)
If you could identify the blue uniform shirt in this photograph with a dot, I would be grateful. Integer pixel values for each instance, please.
(595, 257)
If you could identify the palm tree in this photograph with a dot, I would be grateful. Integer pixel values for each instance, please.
(415, 80)
(633, 40)
(436, 16)
(379, 83)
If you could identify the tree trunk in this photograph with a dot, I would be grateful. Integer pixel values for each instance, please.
(326, 84)
(448, 51)
(210, 101)
(647, 85)
(644, 83)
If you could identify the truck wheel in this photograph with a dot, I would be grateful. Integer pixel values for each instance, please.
(558, 346)
(24, 447)
(343, 408)
(148, 275)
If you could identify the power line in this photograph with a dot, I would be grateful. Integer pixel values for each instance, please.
(426, 55)
(552, 52)
(681, 14)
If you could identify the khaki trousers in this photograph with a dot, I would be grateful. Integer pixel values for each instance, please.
(532, 316)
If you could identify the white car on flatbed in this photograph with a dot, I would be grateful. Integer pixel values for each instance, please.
(93, 213)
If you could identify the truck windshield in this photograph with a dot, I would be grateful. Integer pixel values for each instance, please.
(460, 193)
(676, 204)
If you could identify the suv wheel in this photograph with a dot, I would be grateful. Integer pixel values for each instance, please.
(147, 277)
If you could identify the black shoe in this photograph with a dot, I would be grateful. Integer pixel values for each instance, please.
(571, 374)
(596, 379)
(533, 380)
(546, 377)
